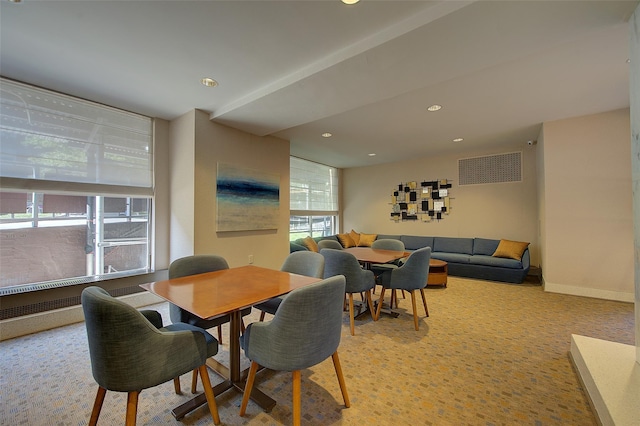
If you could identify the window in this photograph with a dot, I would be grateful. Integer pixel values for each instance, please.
(314, 199)
(75, 191)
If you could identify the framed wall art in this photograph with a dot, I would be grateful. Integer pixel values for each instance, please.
(423, 201)
(246, 199)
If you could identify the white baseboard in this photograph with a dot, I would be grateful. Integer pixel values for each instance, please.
(595, 293)
(28, 324)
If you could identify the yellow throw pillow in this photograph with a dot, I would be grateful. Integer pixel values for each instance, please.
(346, 241)
(355, 237)
(310, 244)
(511, 249)
(367, 239)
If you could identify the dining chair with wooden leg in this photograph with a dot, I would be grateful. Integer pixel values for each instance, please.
(129, 353)
(411, 276)
(305, 331)
(378, 269)
(358, 280)
(193, 265)
(306, 263)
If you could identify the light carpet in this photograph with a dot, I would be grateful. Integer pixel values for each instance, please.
(489, 354)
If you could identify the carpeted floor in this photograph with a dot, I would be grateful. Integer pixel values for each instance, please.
(489, 354)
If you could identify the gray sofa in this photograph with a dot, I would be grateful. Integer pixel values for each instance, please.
(466, 257)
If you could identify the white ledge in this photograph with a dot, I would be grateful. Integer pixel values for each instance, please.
(611, 378)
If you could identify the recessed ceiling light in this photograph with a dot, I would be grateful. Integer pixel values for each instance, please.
(434, 107)
(373, 154)
(209, 82)
(326, 135)
(350, 1)
(458, 140)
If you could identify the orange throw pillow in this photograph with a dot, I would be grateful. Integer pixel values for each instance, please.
(355, 237)
(346, 241)
(510, 249)
(310, 244)
(367, 239)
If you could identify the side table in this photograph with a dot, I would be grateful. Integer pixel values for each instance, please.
(438, 272)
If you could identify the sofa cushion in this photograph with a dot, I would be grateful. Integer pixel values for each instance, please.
(346, 240)
(485, 246)
(296, 247)
(499, 262)
(453, 245)
(451, 257)
(413, 242)
(388, 237)
(310, 244)
(366, 240)
(355, 237)
(511, 249)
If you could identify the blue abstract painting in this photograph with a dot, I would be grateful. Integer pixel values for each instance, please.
(246, 199)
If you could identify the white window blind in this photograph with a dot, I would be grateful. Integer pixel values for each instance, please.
(314, 187)
(50, 141)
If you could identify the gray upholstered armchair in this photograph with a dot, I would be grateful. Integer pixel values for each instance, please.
(378, 269)
(129, 353)
(304, 332)
(411, 276)
(299, 262)
(192, 265)
(332, 244)
(339, 262)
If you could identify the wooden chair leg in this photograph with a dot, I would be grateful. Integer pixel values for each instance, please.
(176, 385)
(208, 392)
(97, 406)
(262, 315)
(242, 328)
(220, 334)
(248, 386)
(415, 309)
(297, 403)
(370, 303)
(194, 381)
(351, 319)
(343, 385)
(424, 301)
(380, 303)
(132, 408)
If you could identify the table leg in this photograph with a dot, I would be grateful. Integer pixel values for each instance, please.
(235, 378)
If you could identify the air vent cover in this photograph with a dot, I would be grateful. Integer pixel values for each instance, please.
(490, 169)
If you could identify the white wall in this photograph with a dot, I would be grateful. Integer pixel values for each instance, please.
(182, 186)
(197, 146)
(634, 73)
(504, 210)
(161, 219)
(588, 231)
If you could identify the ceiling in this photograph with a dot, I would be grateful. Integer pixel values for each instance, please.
(365, 73)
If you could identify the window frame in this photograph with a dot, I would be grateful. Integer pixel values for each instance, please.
(299, 180)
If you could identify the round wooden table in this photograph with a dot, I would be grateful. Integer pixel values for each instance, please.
(438, 272)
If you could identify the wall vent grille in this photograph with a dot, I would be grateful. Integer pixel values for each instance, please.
(497, 168)
(49, 305)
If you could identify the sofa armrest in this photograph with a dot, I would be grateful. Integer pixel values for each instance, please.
(526, 260)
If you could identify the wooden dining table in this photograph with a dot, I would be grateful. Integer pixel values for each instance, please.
(368, 256)
(223, 292)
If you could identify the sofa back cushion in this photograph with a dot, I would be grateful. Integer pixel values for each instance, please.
(485, 246)
(414, 242)
(387, 237)
(453, 245)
